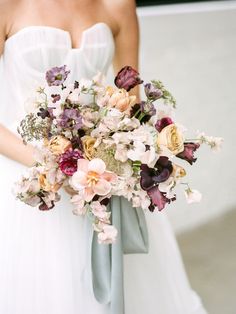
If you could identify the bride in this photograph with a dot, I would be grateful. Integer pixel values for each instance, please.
(44, 256)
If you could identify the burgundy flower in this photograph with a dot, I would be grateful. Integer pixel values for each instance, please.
(56, 76)
(68, 161)
(188, 152)
(152, 92)
(162, 123)
(158, 198)
(127, 78)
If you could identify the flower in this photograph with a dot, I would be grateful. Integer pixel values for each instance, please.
(141, 152)
(158, 199)
(108, 235)
(91, 178)
(162, 123)
(58, 144)
(171, 138)
(70, 118)
(56, 76)
(121, 100)
(193, 196)
(188, 152)
(215, 143)
(127, 78)
(68, 161)
(153, 176)
(78, 201)
(88, 146)
(46, 185)
(99, 211)
(178, 171)
(152, 92)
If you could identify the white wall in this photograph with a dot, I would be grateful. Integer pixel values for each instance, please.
(192, 49)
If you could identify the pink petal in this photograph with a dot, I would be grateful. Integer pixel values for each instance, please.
(109, 176)
(102, 187)
(82, 164)
(97, 165)
(79, 180)
(88, 194)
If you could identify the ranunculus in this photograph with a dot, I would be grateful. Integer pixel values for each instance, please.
(127, 78)
(178, 171)
(88, 146)
(46, 185)
(162, 123)
(68, 161)
(152, 92)
(121, 100)
(171, 138)
(58, 144)
(188, 152)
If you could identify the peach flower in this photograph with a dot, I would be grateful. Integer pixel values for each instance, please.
(121, 100)
(88, 146)
(45, 185)
(58, 144)
(92, 179)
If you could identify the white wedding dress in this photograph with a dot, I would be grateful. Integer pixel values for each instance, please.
(44, 265)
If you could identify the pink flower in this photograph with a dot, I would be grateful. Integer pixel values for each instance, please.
(108, 235)
(92, 179)
(99, 211)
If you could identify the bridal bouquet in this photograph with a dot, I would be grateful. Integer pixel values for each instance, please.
(100, 141)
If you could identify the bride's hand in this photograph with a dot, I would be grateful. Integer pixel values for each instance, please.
(69, 190)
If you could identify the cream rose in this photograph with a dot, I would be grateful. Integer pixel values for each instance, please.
(58, 144)
(121, 100)
(172, 138)
(88, 146)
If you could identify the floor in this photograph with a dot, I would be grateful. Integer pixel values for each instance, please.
(209, 254)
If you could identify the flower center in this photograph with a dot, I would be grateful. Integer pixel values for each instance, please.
(92, 178)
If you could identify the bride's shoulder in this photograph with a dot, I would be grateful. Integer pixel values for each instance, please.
(121, 12)
(7, 10)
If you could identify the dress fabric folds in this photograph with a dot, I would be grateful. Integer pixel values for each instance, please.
(48, 260)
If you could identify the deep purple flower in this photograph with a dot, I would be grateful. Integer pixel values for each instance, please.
(152, 92)
(55, 98)
(68, 161)
(127, 78)
(162, 123)
(56, 76)
(76, 141)
(153, 176)
(43, 113)
(188, 152)
(70, 118)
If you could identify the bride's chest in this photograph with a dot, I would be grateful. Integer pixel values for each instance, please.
(35, 49)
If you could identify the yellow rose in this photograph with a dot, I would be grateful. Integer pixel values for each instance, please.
(121, 100)
(58, 144)
(88, 146)
(172, 138)
(178, 171)
(45, 185)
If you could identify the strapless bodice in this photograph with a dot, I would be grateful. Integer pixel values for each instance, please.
(30, 52)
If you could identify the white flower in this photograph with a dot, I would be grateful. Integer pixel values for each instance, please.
(193, 196)
(78, 201)
(121, 153)
(108, 235)
(215, 143)
(139, 152)
(167, 186)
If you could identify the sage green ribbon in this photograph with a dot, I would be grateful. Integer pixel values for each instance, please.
(107, 260)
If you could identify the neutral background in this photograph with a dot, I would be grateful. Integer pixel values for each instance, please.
(192, 49)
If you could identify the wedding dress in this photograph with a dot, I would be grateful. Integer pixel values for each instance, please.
(44, 265)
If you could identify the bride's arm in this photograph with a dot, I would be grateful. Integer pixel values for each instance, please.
(11, 145)
(127, 37)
